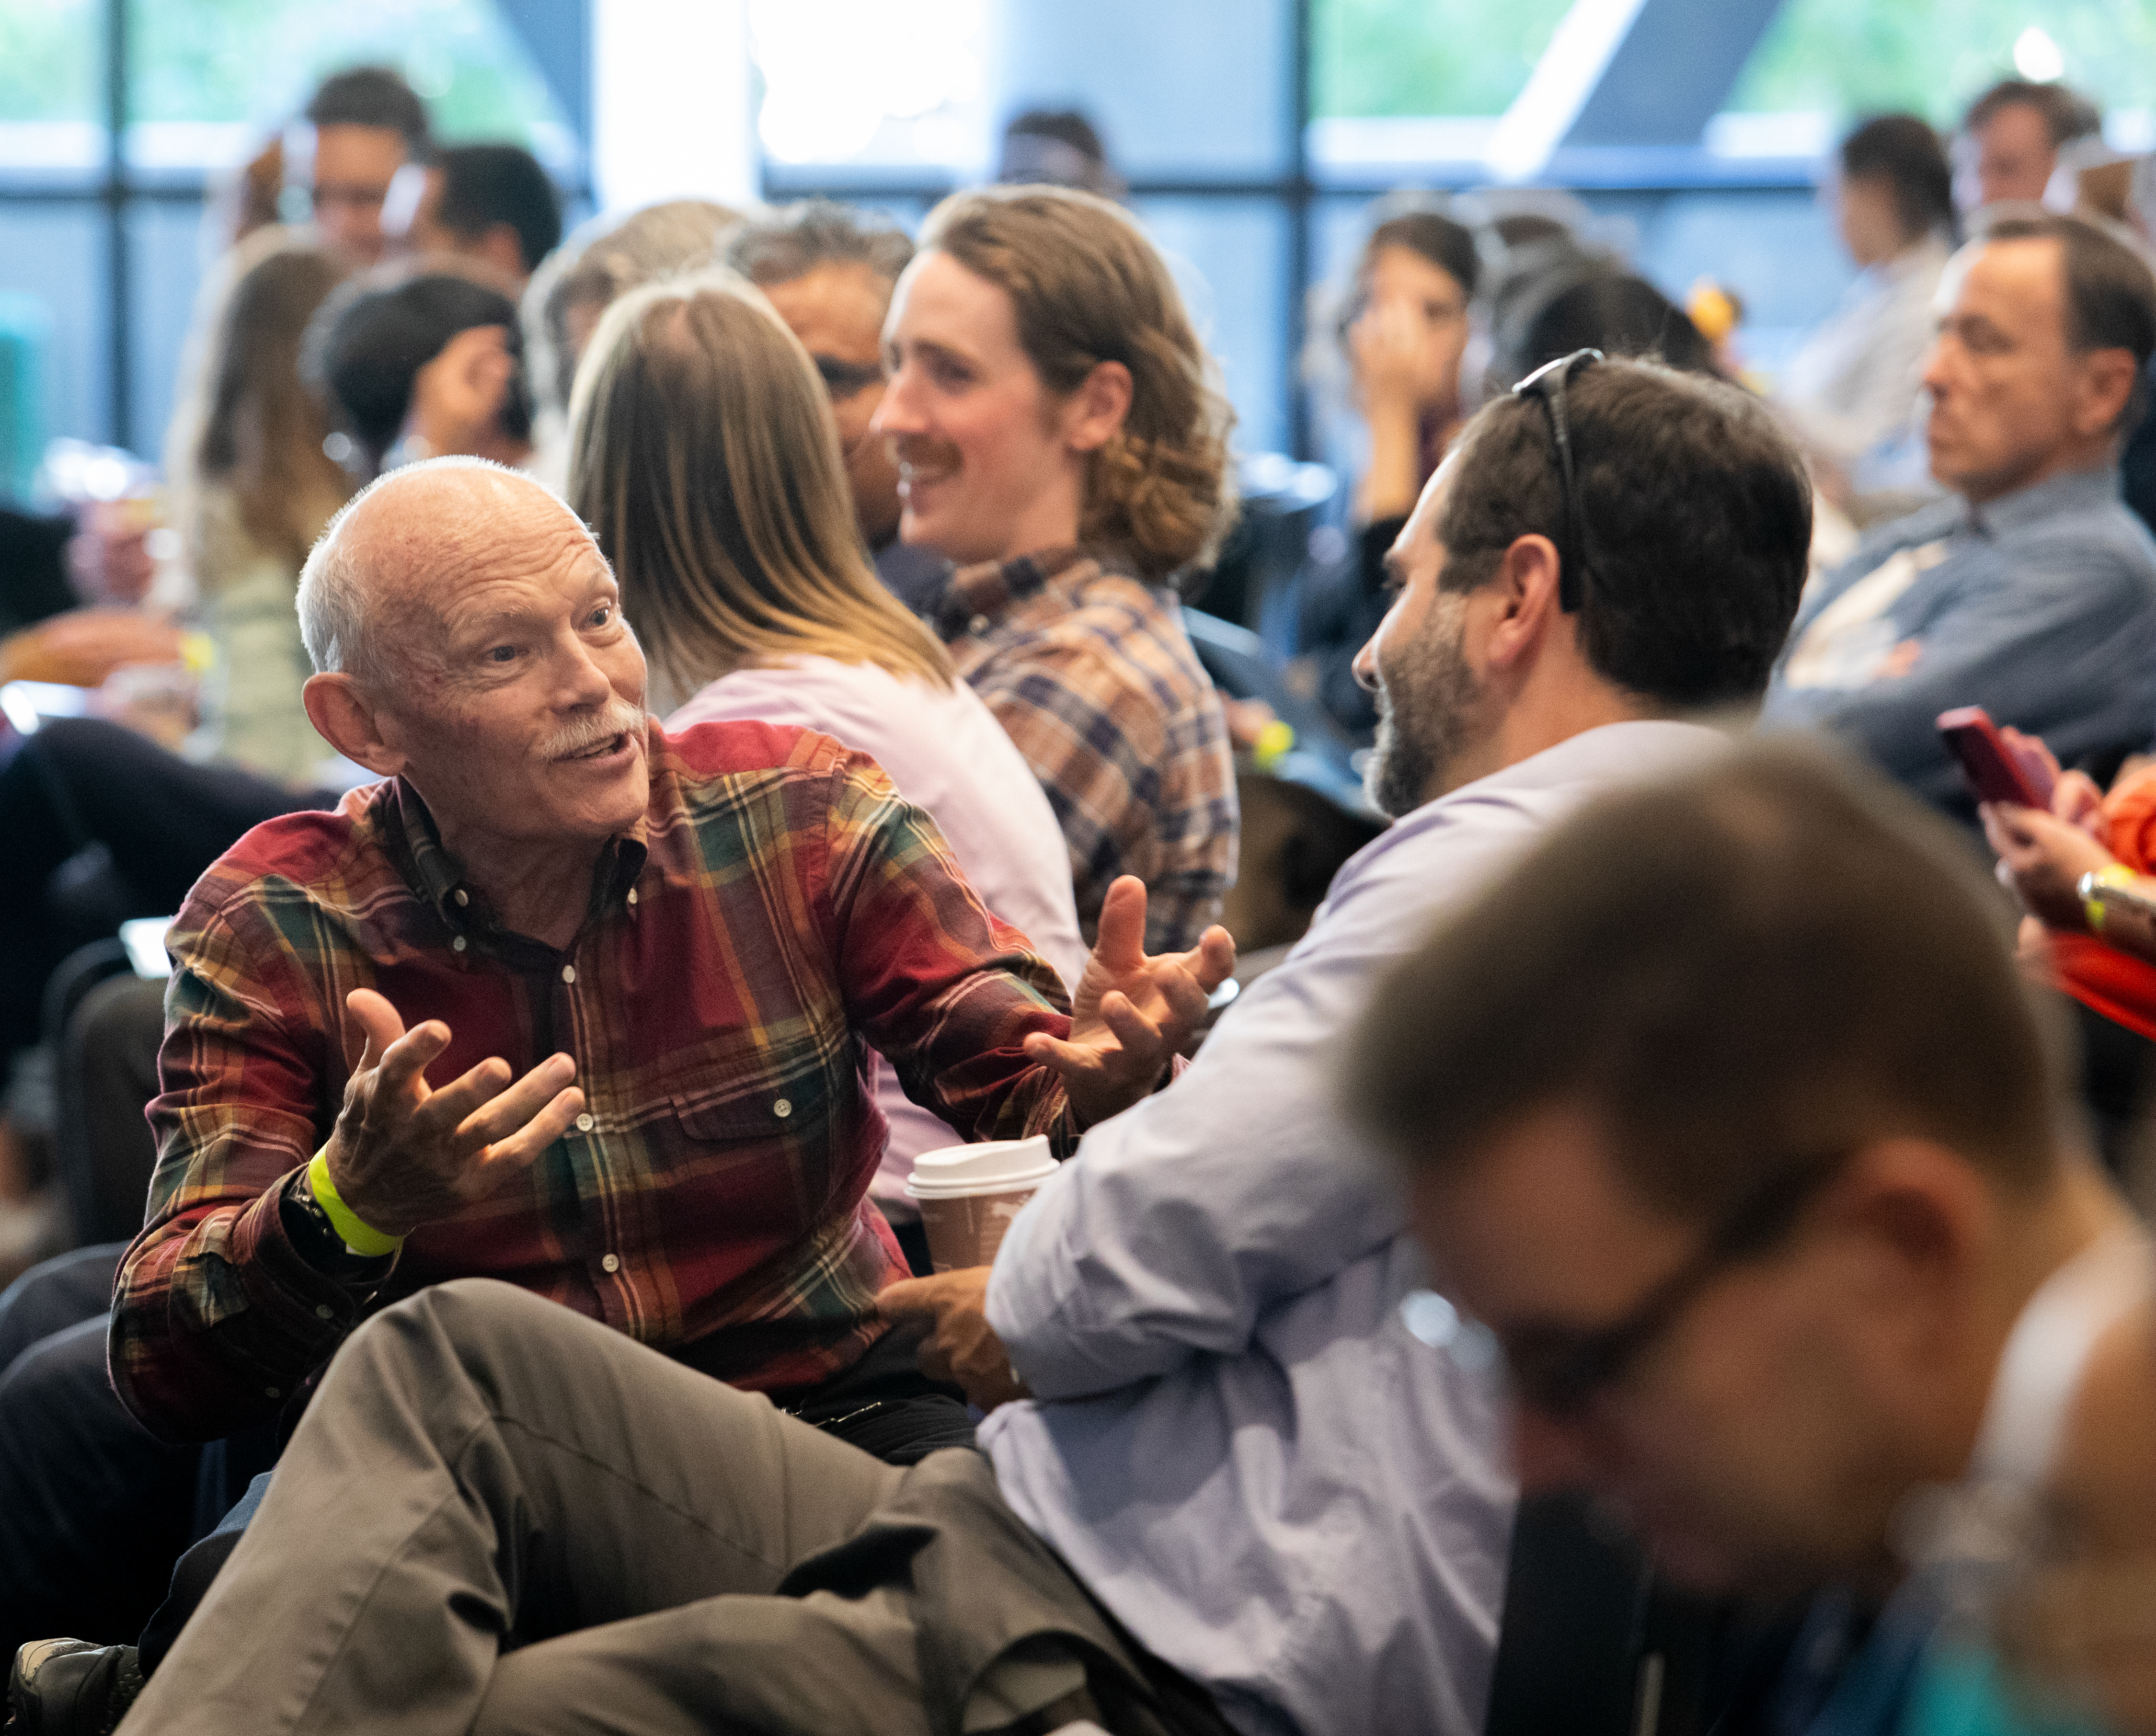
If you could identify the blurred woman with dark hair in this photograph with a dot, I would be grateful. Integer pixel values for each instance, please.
(1404, 331)
(1850, 392)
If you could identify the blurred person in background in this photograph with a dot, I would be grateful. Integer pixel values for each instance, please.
(493, 203)
(1062, 438)
(2011, 138)
(702, 457)
(253, 490)
(2031, 590)
(425, 366)
(1057, 147)
(604, 258)
(1616, 313)
(1404, 331)
(829, 272)
(1851, 391)
(359, 128)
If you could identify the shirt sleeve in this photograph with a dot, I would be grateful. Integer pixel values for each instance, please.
(217, 1317)
(943, 989)
(2053, 651)
(1180, 1222)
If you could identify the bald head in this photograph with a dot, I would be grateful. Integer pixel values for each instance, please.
(371, 590)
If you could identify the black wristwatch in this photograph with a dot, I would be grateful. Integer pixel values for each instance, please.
(309, 1229)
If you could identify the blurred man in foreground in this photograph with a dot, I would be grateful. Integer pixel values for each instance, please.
(1755, 1164)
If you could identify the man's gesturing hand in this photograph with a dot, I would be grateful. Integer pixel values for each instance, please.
(961, 1346)
(1132, 1010)
(405, 1154)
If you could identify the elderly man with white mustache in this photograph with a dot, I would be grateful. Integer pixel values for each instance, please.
(570, 1003)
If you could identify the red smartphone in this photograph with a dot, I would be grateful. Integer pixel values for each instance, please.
(1993, 770)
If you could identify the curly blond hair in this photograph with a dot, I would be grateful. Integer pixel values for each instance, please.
(1088, 287)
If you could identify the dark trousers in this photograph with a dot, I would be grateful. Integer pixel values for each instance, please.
(96, 1512)
(94, 1509)
(82, 785)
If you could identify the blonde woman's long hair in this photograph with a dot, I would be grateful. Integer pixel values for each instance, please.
(704, 456)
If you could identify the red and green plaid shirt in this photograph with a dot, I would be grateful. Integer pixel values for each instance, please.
(778, 907)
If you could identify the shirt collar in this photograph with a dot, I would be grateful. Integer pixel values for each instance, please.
(2075, 491)
(438, 879)
(979, 596)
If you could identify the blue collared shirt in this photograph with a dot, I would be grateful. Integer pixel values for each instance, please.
(1245, 1455)
(2040, 607)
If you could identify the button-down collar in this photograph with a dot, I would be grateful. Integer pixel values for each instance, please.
(980, 597)
(2073, 491)
(414, 842)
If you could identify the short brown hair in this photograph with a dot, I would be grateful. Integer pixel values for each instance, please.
(1695, 520)
(703, 455)
(1768, 960)
(2067, 114)
(2111, 292)
(1088, 288)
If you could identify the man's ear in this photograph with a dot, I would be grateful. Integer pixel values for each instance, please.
(345, 717)
(2107, 378)
(1527, 608)
(1092, 414)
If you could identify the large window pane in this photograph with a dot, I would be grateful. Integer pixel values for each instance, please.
(209, 78)
(165, 260)
(55, 254)
(1845, 57)
(52, 88)
(1230, 258)
(1377, 58)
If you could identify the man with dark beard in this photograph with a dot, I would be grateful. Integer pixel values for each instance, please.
(1201, 1309)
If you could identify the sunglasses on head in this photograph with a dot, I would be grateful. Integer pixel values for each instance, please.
(1546, 385)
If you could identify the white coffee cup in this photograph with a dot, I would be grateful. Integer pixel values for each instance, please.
(969, 1194)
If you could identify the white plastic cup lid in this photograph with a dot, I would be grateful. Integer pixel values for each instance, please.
(994, 1166)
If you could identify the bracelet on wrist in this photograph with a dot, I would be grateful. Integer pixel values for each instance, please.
(358, 1235)
(2093, 908)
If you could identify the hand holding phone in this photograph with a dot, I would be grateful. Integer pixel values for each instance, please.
(1993, 770)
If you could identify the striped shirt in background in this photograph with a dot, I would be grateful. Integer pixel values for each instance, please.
(778, 907)
(1090, 673)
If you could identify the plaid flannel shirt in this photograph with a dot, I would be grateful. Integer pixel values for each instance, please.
(1091, 673)
(778, 905)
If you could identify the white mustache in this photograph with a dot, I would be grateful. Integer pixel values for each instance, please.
(620, 718)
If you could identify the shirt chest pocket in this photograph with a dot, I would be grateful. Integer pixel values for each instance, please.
(795, 1103)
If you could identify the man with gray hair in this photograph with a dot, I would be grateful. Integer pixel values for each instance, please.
(568, 1002)
(828, 271)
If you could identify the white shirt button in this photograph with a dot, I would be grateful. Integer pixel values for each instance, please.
(463, 896)
(979, 624)
(583, 1124)
(325, 1311)
(632, 894)
(612, 1263)
(568, 973)
(782, 1108)
(457, 944)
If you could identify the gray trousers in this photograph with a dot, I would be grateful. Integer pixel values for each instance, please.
(498, 1516)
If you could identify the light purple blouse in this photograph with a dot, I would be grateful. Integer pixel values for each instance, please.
(947, 753)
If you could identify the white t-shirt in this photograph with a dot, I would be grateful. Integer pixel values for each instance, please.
(947, 753)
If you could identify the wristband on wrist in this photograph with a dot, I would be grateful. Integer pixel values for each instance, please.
(2094, 907)
(361, 1238)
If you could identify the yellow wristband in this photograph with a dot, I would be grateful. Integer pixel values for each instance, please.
(2117, 874)
(361, 1238)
